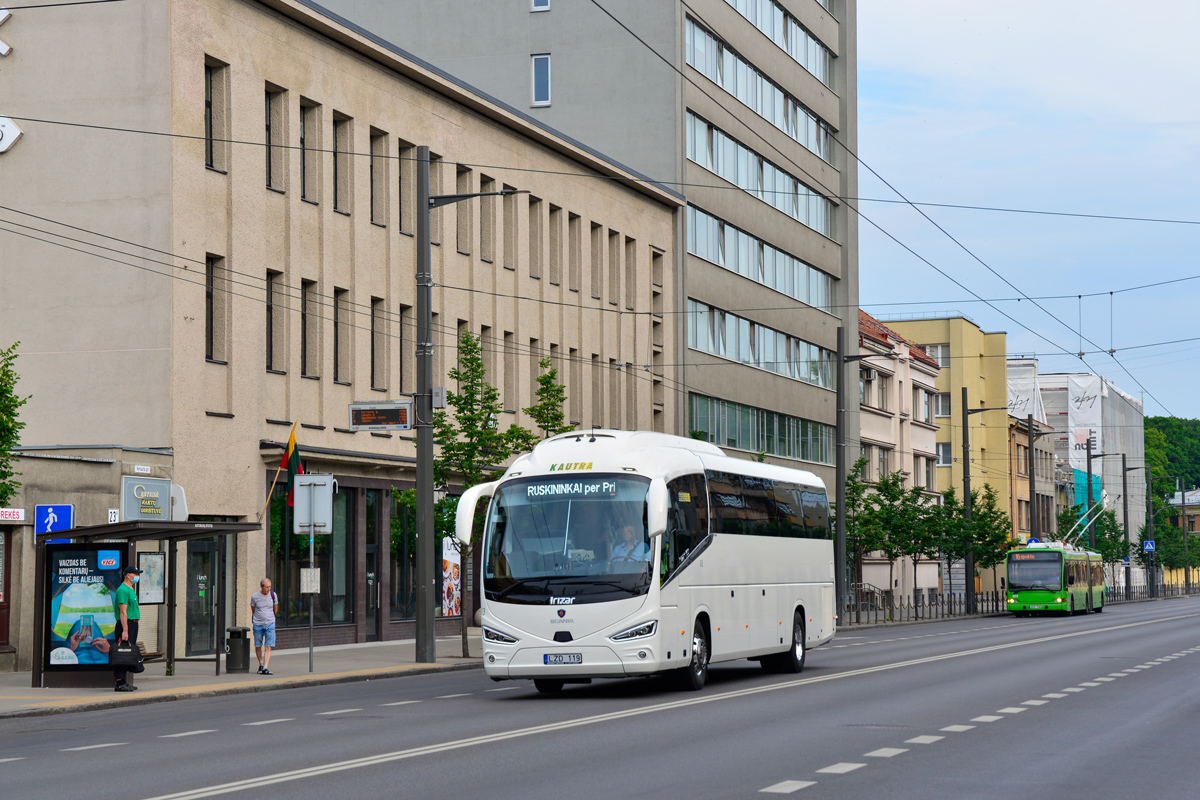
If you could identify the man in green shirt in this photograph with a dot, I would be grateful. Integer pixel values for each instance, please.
(128, 615)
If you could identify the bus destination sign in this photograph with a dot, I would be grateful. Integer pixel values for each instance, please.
(395, 415)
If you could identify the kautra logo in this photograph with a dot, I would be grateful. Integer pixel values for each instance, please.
(108, 559)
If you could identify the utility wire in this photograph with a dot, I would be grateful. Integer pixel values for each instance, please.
(60, 5)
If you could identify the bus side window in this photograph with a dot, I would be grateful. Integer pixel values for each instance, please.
(687, 521)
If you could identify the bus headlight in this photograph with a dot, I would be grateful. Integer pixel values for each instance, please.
(639, 632)
(498, 637)
(1011, 600)
(1058, 599)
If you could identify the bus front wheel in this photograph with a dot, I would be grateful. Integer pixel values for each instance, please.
(693, 677)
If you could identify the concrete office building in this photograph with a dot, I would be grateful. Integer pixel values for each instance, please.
(747, 107)
(262, 270)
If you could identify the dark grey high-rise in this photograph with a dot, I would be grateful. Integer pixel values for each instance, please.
(748, 108)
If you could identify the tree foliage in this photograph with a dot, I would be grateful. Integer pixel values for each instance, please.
(547, 412)
(1177, 441)
(10, 423)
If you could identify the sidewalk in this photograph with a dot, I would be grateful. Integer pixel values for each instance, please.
(335, 664)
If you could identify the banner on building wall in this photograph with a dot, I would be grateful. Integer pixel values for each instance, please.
(1083, 417)
(81, 620)
(451, 580)
(1025, 399)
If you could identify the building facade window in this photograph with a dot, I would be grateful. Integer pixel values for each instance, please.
(793, 38)
(342, 164)
(716, 151)
(944, 459)
(720, 333)
(540, 5)
(757, 430)
(940, 353)
(541, 79)
(885, 390)
(310, 151)
(334, 553)
(379, 182)
(724, 67)
(310, 315)
(379, 378)
(864, 456)
(885, 461)
(216, 309)
(275, 113)
(216, 115)
(942, 406)
(718, 242)
(274, 334)
(341, 336)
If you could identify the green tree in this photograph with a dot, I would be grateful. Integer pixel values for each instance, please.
(547, 412)
(991, 529)
(859, 537)
(1179, 443)
(471, 445)
(10, 423)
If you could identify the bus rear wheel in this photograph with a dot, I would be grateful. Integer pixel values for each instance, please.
(693, 677)
(548, 686)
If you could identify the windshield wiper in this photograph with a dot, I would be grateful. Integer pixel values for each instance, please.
(521, 583)
(615, 584)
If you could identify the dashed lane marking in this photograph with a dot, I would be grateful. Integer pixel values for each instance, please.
(1056, 695)
(329, 768)
(6, 760)
(924, 739)
(92, 747)
(885, 752)
(1117, 675)
(986, 718)
(400, 703)
(187, 733)
(503, 689)
(448, 696)
(1104, 680)
(339, 711)
(958, 728)
(269, 721)
(1074, 689)
(1035, 702)
(1011, 710)
(787, 787)
(841, 768)
(1090, 684)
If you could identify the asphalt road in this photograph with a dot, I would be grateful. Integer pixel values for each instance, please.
(1106, 705)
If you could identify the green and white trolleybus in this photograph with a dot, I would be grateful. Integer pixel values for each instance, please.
(1054, 577)
(609, 554)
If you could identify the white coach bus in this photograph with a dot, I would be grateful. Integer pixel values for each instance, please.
(609, 554)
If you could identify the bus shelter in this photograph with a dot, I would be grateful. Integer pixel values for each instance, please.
(123, 538)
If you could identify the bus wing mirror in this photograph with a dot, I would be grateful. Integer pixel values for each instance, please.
(657, 501)
(464, 515)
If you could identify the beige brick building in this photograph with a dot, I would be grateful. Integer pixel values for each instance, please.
(260, 270)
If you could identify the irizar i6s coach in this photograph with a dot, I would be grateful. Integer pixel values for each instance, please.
(608, 554)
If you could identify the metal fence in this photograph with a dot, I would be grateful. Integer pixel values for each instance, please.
(870, 605)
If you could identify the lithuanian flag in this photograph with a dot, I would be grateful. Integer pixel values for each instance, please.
(291, 462)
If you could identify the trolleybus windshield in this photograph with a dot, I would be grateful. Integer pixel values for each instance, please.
(1028, 570)
(577, 536)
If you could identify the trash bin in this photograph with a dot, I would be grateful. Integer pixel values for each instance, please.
(237, 650)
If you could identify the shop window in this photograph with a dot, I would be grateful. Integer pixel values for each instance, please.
(333, 555)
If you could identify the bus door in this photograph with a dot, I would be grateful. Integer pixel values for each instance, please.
(686, 535)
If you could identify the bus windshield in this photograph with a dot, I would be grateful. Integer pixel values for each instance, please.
(577, 536)
(1028, 570)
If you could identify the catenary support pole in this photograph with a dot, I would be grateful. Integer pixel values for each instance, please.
(1091, 518)
(1125, 509)
(312, 562)
(969, 560)
(426, 645)
(1150, 534)
(839, 551)
(1033, 514)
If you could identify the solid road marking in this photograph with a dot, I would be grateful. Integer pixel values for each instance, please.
(958, 728)
(841, 768)
(269, 721)
(400, 703)
(885, 752)
(93, 747)
(986, 718)
(554, 727)
(339, 711)
(924, 739)
(187, 733)
(787, 787)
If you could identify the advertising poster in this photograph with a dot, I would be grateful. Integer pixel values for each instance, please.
(151, 588)
(80, 619)
(1083, 422)
(451, 580)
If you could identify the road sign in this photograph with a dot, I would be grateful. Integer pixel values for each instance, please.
(395, 415)
(1148, 546)
(1033, 540)
(53, 517)
(313, 504)
(310, 580)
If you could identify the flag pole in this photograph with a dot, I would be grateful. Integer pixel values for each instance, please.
(278, 469)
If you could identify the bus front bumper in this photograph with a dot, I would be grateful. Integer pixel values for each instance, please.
(1050, 603)
(593, 661)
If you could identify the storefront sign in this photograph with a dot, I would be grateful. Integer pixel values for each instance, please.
(145, 498)
(12, 515)
(80, 617)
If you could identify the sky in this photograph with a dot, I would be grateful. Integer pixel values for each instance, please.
(1082, 106)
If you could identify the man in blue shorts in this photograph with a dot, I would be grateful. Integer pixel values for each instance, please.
(264, 605)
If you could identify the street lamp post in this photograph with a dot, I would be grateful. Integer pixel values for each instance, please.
(1088, 513)
(1125, 505)
(841, 464)
(1152, 581)
(426, 644)
(969, 559)
(1033, 437)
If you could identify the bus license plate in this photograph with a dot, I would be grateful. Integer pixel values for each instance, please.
(563, 658)
(1032, 607)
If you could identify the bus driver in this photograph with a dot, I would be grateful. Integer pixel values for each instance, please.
(630, 549)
